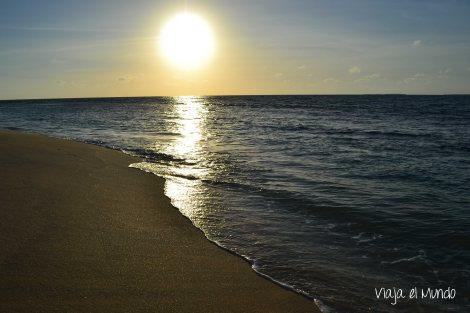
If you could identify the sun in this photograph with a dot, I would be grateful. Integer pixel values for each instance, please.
(187, 41)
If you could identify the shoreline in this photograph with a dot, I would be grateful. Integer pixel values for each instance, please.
(172, 281)
(245, 258)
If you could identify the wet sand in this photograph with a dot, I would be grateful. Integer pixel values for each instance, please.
(82, 232)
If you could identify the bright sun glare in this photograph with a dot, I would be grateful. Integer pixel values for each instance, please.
(187, 41)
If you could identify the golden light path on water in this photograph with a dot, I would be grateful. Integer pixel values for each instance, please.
(189, 110)
(190, 114)
(182, 178)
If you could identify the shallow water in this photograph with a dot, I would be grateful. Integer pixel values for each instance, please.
(332, 195)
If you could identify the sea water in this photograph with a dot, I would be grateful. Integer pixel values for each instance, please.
(333, 196)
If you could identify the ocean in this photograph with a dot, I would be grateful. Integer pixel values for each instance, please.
(332, 196)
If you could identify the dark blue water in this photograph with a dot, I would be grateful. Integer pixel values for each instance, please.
(331, 195)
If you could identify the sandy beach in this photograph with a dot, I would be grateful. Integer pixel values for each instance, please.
(82, 232)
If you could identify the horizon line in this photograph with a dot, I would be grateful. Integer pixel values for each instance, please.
(243, 95)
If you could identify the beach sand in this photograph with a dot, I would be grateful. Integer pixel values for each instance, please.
(80, 231)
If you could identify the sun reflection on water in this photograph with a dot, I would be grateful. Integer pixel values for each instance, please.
(185, 169)
(190, 113)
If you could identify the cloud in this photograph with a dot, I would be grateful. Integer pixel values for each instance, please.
(61, 48)
(57, 29)
(302, 67)
(278, 75)
(368, 78)
(128, 78)
(417, 43)
(445, 71)
(354, 70)
(57, 61)
(69, 83)
(413, 78)
(373, 76)
(331, 80)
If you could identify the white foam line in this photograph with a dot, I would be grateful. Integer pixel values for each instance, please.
(320, 305)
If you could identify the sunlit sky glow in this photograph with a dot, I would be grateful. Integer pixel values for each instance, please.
(107, 48)
(187, 41)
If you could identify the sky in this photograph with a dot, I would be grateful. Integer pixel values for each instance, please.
(92, 48)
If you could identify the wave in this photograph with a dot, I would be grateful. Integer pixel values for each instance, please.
(13, 128)
(254, 265)
(154, 156)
